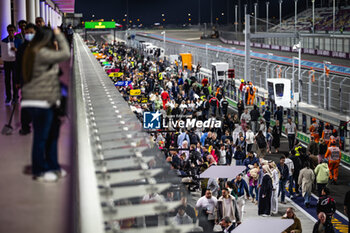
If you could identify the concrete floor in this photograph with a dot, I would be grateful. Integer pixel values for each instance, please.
(27, 205)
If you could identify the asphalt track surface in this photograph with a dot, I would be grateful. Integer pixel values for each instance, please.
(190, 37)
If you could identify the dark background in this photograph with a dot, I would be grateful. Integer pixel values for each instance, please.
(176, 12)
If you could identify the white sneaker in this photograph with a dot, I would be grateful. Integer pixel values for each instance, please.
(50, 177)
(61, 173)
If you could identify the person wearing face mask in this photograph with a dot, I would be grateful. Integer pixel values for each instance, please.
(9, 46)
(29, 34)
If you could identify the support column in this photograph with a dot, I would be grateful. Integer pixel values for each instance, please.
(247, 48)
(49, 16)
(5, 17)
(46, 14)
(53, 18)
(59, 19)
(19, 10)
(37, 8)
(31, 11)
(42, 10)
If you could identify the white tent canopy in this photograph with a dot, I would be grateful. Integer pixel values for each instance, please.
(222, 172)
(271, 225)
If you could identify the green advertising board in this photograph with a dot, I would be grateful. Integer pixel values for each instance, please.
(99, 25)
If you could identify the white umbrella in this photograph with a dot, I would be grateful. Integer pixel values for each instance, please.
(222, 172)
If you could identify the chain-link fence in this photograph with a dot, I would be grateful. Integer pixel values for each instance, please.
(330, 92)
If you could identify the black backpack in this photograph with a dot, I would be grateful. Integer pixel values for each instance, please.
(261, 141)
(251, 91)
(193, 138)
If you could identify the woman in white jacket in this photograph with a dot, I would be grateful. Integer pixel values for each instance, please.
(275, 183)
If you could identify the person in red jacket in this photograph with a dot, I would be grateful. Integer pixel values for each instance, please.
(205, 82)
(241, 86)
(165, 98)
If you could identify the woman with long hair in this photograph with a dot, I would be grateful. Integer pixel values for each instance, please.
(41, 96)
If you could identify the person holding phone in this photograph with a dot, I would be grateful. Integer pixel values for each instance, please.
(41, 96)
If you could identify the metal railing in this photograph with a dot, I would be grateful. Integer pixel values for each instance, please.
(119, 168)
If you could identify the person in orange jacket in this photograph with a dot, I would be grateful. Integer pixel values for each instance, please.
(333, 155)
(314, 130)
(251, 94)
(327, 132)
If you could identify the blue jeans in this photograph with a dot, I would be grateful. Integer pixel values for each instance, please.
(306, 199)
(291, 185)
(239, 162)
(282, 189)
(214, 110)
(251, 189)
(254, 125)
(206, 114)
(46, 125)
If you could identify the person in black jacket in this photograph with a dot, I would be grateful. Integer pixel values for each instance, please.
(205, 108)
(254, 117)
(224, 106)
(226, 225)
(239, 156)
(240, 107)
(279, 115)
(322, 225)
(265, 192)
(297, 167)
(284, 171)
(30, 30)
(267, 117)
(326, 204)
(194, 138)
(347, 207)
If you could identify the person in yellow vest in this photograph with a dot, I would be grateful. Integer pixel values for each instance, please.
(327, 132)
(160, 78)
(251, 93)
(314, 130)
(297, 148)
(333, 155)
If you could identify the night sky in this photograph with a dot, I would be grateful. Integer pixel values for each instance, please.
(175, 12)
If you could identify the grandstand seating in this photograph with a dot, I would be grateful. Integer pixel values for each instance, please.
(323, 20)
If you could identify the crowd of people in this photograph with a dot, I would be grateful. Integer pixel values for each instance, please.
(244, 138)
